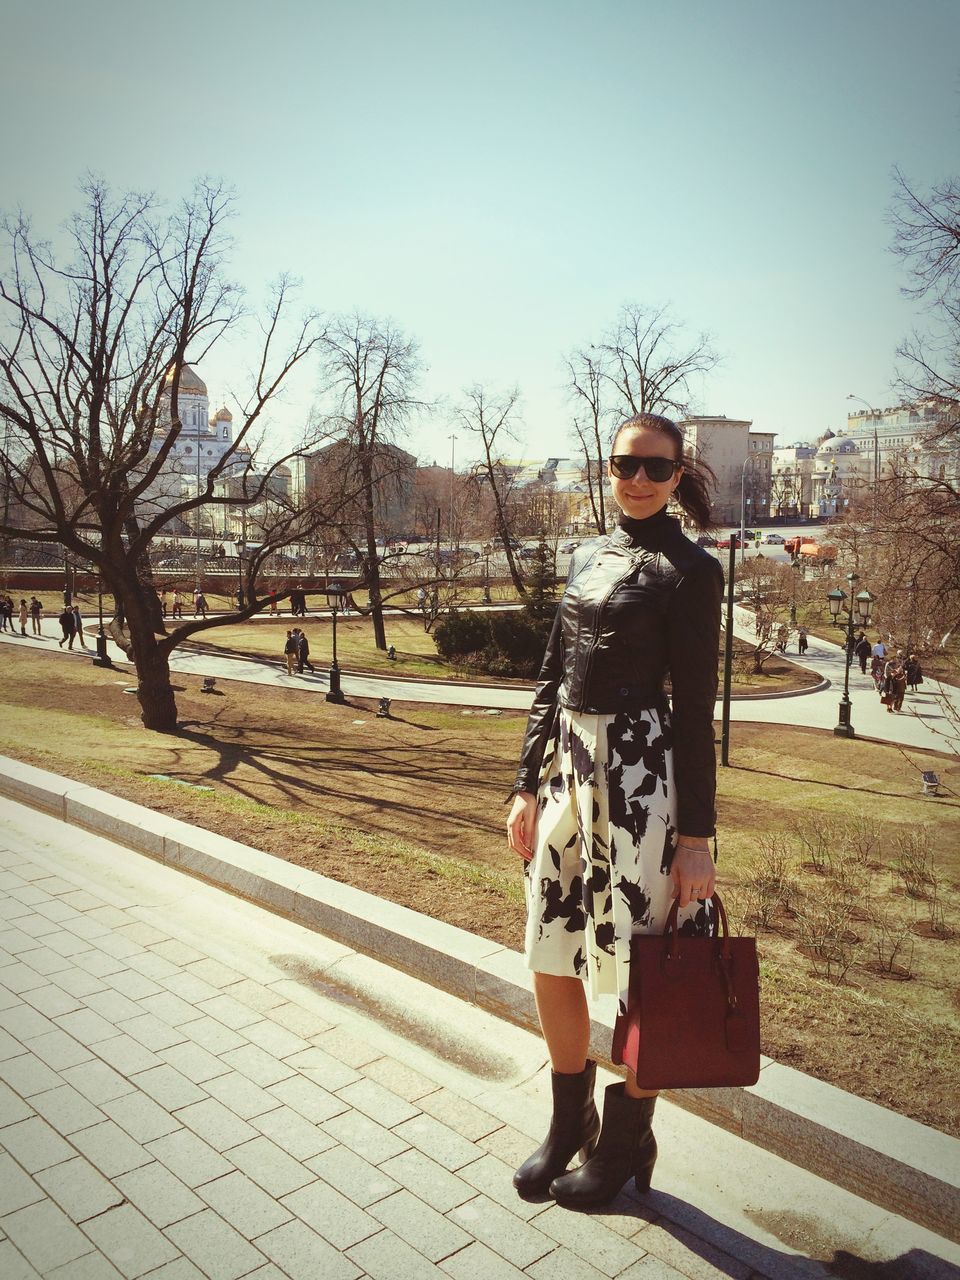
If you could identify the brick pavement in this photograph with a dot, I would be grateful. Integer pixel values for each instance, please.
(166, 1113)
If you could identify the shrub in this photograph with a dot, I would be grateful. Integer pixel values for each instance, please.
(459, 635)
(913, 861)
(813, 836)
(826, 936)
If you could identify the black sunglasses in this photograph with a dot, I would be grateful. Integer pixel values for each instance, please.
(626, 465)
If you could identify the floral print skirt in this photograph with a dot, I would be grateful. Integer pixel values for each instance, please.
(606, 829)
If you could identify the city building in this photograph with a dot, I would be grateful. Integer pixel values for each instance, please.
(791, 488)
(332, 475)
(741, 460)
(203, 440)
(898, 438)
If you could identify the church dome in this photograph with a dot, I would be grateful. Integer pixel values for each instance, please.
(838, 444)
(223, 415)
(189, 382)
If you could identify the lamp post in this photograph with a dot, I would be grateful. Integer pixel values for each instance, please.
(755, 453)
(334, 599)
(486, 572)
(728, 633)
(876, 451)
(863, 602)
(241, 547)
(103, 658)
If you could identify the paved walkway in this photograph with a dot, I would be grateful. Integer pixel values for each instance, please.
(191, 1087)
(924, 721)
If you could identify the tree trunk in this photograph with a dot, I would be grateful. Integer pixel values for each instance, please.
(158, 707)
(373, 562)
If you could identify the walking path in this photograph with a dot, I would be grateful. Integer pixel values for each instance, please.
(923, 723)
(193, 1087)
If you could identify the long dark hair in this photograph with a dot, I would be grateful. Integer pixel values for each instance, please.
(694, 492)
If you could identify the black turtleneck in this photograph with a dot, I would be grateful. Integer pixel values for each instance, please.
(649, 533)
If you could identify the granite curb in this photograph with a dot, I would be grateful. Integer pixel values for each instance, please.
(884, 1157)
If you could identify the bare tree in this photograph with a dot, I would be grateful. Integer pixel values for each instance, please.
(927, 239)
(370, 371)
(639, 366)
(489, 418)
(92, 353)
(587, 378)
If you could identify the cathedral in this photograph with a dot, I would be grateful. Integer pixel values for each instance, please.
(203, 440)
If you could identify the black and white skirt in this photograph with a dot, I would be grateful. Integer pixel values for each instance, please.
(606, 829)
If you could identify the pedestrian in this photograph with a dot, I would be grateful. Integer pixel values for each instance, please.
(879, 650)
(36, 613)
(615, 793)
(200, 605)
(863, 650)
(303, 654)
(177, 604)
(894, 683)
(163, 603)
(876, 671)
(421, 600)
(914, 672)
(781, 644)
(801, 640)
(290, 652)
(23, 617)
(68, 626)
(78, 626)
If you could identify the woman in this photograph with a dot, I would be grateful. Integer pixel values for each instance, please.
(894, 682)
(914, 672)
(23, 617)
(614, 797)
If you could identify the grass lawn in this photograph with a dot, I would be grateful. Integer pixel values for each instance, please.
(412, 808)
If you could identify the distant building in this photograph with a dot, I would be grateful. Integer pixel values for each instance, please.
(202, 440)
(726, 444)
(791, 487)
(899, 438)
(333, 474)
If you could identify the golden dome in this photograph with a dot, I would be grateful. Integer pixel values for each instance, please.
(189, 382)
(223, 415)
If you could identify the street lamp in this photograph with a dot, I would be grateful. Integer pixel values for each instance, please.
(863, 603)
(103, 658)
(241, 547)
(876, 450)
(335, 601)
(728, 635)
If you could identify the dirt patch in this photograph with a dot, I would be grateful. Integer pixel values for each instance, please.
(412, 809)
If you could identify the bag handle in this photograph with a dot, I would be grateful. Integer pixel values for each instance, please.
(718, 927)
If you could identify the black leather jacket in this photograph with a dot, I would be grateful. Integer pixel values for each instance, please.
(639, 605)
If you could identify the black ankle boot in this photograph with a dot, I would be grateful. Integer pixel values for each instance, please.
(574, 1127)
(627, 1148)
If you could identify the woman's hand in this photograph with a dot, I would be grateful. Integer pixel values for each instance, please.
(522, 824)
(694, 875)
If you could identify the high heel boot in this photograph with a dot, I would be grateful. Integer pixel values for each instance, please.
(574, 1127)
(627, 1148)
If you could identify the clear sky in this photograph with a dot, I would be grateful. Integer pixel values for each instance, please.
(499, 178)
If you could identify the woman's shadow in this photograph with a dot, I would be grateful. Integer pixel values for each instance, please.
(731, 1253)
